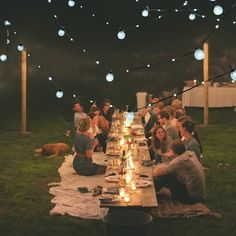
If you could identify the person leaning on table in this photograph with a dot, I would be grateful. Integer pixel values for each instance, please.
(83, 144)
(184, 175)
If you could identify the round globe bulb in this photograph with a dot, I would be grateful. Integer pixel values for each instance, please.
(71, 3)
(61, 32)
(109, 77)
(199, 54)
(233, 75)
(3, 57)
(218, 10)
(145, 13)
(7, 23)
(121, 35)
(59, 94)
(192, 16)
(20, 47)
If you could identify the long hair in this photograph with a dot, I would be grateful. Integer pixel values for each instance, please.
(156, 143)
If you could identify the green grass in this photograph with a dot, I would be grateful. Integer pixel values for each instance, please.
(25, 201)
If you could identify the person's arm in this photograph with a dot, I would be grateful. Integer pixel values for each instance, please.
(159, 170)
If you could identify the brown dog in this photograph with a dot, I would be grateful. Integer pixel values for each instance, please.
(52, 149)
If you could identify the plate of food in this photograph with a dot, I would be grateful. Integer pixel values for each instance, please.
(107, 198)
(140, 183)
(112, 178)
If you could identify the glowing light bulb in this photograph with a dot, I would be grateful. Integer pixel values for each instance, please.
(145, 13)
(59, 94)
(121, 35)
(192, 16)
(199, 54)
(50, 78)
(3, 57)
(109, 77)
(71, 3)
(233, 75)
(218, 10)
(61, 32)
(7, 23)
(20, 47)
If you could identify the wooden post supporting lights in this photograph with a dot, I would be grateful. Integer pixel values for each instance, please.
(23, 93)
(206, 85)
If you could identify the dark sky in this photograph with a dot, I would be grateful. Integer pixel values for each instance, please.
(76, 72)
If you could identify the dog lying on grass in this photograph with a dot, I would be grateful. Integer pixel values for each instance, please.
(52, 149)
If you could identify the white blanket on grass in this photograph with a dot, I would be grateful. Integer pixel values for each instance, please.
(68, 200)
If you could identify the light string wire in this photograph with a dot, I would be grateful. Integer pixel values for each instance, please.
(46, 74)
(194, 86)
(184, 54)
(221, 23)
(72, 39)
(167, 12)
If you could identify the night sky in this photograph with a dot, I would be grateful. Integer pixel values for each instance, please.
(77, 73)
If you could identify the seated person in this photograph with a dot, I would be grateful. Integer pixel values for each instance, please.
(149, 119)
(78, 113)
(189, 136)
(164, 119)
(161, 144)
(83, 144)
(107, 111)
(184, 175)
(103, 125)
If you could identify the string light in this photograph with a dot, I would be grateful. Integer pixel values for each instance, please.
(218, 10)
(61, 32)
(71, 3)
(121, 35)
(109, 77)
(3, 57)
(199, 54)
(7, 23)
(232, 71)
(233, 75)
(59, 94)
(20, 47)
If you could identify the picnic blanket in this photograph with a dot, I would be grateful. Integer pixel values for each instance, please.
(68, 200)
(170, 209)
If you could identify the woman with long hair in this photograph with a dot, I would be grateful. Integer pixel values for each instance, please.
(161, 144)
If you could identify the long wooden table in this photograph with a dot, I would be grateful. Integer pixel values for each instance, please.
(144, 196)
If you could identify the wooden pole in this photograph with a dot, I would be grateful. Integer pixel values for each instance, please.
(23, 92)
(206, 84)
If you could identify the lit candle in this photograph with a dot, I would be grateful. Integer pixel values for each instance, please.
(127, 197)
(122, 192)
(128, 178)
(132, 186)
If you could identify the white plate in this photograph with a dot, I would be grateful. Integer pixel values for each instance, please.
(112, 178)
(143, 183)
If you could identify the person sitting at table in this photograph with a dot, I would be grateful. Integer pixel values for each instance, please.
(98, 134)
(78, 113)
(149, 119)
(189, 136)
(103, 125)
(177, 105)
(107, 111)
(171, 112)
(83, 145)
(164, 119)
(161, 144)
(184, 175)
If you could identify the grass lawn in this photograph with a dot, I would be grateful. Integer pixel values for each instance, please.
(25, 201)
